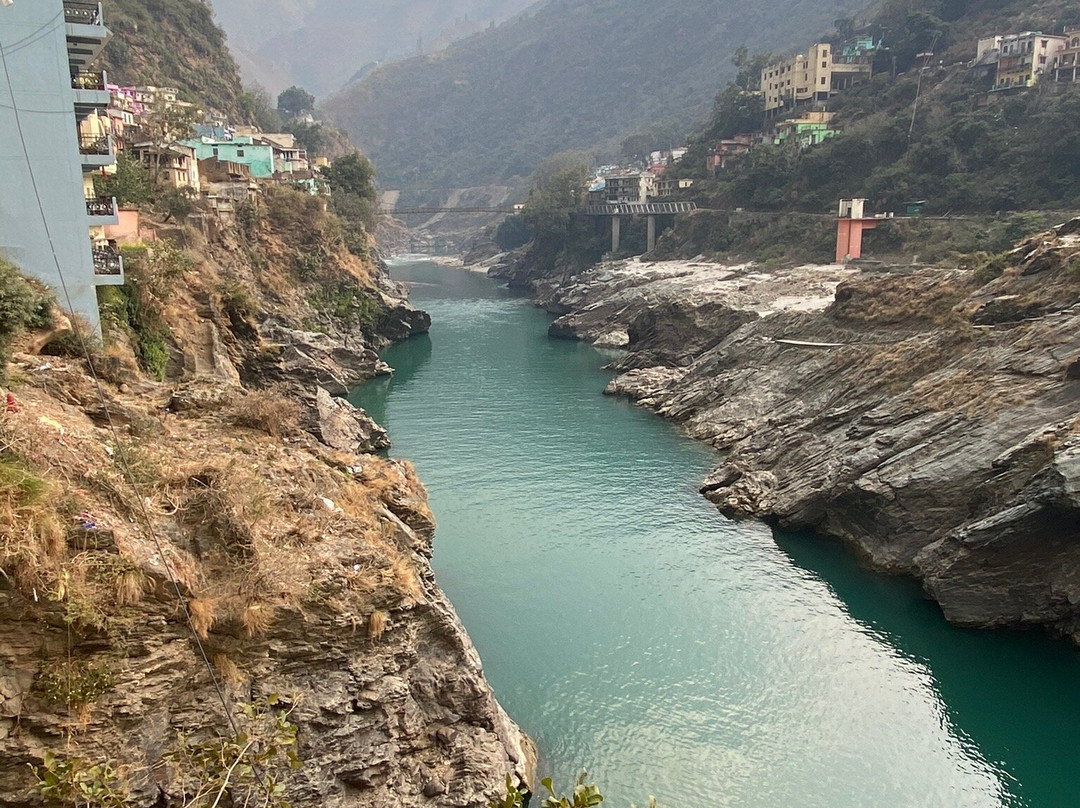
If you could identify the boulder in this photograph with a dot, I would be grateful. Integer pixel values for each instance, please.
(341, 426)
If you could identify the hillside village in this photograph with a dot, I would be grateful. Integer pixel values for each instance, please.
(793, 96)
(197, 154)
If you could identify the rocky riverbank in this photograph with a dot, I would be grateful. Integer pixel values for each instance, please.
(926, 416)
(301, 560)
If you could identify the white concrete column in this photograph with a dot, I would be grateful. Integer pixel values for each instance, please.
(652, 233)
(615, 234)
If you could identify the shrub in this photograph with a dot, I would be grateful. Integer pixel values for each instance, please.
(74, 684)
(269, 412)
(22, 306)
(31, 535)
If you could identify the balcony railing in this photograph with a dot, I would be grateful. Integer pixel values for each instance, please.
(107, 261)
(82, 13)
(88, 80)
(95, 144)
(101, 206)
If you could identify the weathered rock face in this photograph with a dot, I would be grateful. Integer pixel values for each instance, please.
(306, 571)
(311, 359)
(341, 426)
(928, 421)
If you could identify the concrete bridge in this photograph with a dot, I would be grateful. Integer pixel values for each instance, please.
(616, 210)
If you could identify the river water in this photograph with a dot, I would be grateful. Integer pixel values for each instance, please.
(636, 633)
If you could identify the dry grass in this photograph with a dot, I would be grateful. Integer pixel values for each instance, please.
(31, 532)
(377, 623)
(228, 671)
(268, 411)
(203, 613)
(257, 617)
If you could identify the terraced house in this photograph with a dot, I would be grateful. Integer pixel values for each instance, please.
(53, 138)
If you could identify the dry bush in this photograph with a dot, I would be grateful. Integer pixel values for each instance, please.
(377, 625)
(203, 613)
(31, 531)
(228, 671)
(130, 587)
(268, 411)
(257, 617)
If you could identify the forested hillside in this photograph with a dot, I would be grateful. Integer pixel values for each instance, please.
(962, 149)
(172, 43)
(569, 74)
(322, 44)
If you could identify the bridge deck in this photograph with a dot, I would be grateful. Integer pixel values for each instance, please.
(640, 208)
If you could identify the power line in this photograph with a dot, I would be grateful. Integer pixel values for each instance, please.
(121, 453)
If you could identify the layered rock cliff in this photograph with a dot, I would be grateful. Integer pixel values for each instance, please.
(927, 416)
(233, 509)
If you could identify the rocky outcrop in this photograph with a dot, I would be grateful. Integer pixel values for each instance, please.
(252, 524)
(928, 420)
(341, 426)
(305, 570)
(311, 359)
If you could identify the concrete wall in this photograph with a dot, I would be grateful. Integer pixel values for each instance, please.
(40, 77)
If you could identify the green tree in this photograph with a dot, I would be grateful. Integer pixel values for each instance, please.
(735, 110)
(584, 795)
(352, 174)
(294, 101)
(558, 191)
(256, 108)
(131, 184)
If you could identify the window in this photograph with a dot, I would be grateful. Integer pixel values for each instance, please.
(824, 63)
(822, 79)
(239, 152)
(215, 151)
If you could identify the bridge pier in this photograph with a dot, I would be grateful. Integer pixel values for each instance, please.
(652, 234)
(616, 227)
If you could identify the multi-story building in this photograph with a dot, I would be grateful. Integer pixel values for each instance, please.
(814, 76)
(50, 47)
(1066, 65)
(1020, 59)
(243, 149)
(722, 153)
(630, 186)
(173, 164)
(810, 129)
(669, 186)
(800, 79)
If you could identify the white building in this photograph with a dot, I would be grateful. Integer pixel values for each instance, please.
(50, 47)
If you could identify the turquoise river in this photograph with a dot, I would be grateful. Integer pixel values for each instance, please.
(636, 633)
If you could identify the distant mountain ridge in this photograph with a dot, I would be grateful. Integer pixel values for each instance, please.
(322, 44)
(565, 74)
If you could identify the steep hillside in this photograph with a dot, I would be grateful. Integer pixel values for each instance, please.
(172, 43)
(227, 523)
(961, 149)
(569, 74)
(322, 44)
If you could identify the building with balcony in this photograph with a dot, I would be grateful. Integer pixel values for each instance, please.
(815, 76)
(630, 186)
(1066, 65)
(1020, 60)
(174, 164)
(50, 48)
(809, 129)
